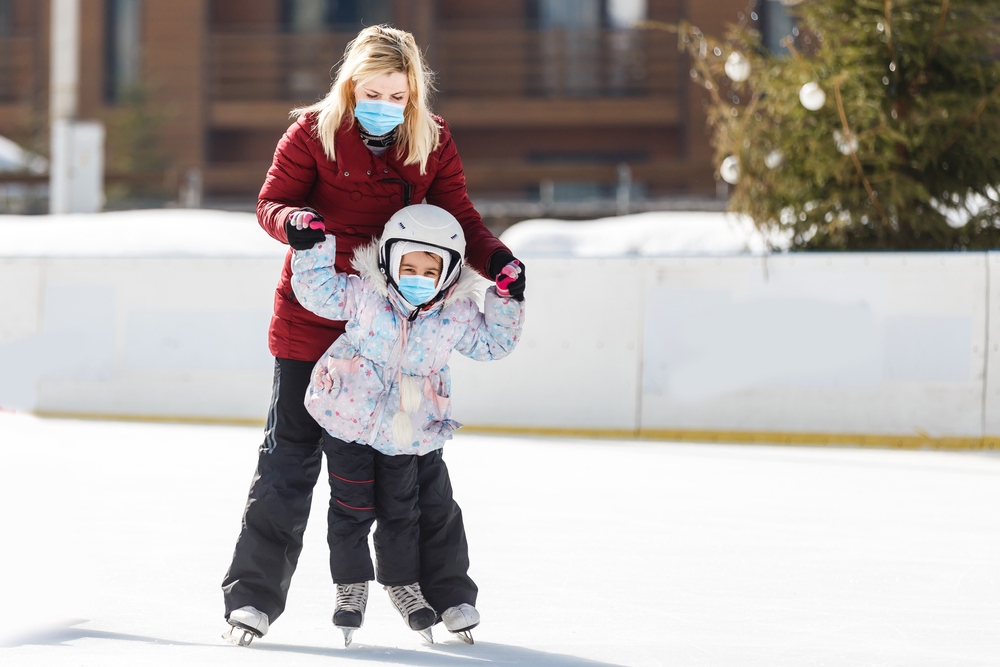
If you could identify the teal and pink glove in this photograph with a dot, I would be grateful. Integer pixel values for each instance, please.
(509, 275)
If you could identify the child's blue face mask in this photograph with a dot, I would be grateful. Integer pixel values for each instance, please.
(417, 289)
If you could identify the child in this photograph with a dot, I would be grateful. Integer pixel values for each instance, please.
(381, 393)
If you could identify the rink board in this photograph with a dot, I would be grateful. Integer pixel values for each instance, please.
(877, 348)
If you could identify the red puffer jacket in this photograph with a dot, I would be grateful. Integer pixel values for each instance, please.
(356, 195)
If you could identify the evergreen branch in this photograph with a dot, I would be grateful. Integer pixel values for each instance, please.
(888, 26)
(973, 117)
(659, 25)
(854, 155)
(937, 33)
(789, 44)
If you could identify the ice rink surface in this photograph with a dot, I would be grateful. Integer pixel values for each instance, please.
(116, 537)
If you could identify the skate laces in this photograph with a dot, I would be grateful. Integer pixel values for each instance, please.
(352, 597)
(407, 599)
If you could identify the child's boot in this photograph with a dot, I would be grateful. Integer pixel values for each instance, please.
(414, 609)
(350, 611)
(460, 620)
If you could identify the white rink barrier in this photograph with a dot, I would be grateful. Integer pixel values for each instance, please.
(888, 349)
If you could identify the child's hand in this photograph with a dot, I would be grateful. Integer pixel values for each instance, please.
(305, 229)
(507, 279)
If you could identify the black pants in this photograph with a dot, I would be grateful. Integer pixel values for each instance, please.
(277, 509)
(364, 485)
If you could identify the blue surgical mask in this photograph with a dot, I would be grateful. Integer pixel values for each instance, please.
(417, 289)
(377, 116)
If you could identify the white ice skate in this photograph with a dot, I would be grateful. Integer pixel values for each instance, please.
(250, 621)
(350, 612)
(460, 620)
(412, 606)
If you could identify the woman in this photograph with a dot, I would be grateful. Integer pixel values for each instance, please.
(351, 160)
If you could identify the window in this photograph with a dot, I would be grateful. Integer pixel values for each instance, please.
(124, 46)
(588, 47)
(305, 16)
(775, 25)
(6, 24)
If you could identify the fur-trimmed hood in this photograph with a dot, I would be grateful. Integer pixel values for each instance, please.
(471, 285)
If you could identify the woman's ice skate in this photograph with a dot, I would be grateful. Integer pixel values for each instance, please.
(350, 612)
(250, 621)
(414, 609)
(460, 620)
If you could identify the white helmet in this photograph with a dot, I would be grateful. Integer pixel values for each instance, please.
(425, 225)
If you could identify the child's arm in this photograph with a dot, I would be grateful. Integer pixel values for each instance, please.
(318, 286)
(494, 333)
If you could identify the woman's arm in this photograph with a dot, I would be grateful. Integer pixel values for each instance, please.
(289, 180)
(495, 332)
(318, 286)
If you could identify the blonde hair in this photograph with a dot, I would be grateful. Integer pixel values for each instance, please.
(376, 51)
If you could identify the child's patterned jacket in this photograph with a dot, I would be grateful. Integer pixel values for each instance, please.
(354, 392)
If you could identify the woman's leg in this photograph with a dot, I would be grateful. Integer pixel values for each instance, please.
(397, 534)
(277, 509)
(444, 551)
(352, 509)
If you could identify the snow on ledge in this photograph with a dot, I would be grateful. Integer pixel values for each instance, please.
(162, 233)
(654, 234)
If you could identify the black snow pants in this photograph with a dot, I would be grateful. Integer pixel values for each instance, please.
(366, 485)
(277, 509)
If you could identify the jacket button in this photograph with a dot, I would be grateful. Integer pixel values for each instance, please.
(385, 171)
(350, 230)
(347, 173)
(369, 172)
(355, 196)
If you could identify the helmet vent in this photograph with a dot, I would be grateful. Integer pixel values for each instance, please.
(401, 225)
(454, 236)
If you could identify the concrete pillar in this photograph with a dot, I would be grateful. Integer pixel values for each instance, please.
(76, 168)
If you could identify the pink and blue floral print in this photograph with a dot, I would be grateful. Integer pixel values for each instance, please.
(355, 388)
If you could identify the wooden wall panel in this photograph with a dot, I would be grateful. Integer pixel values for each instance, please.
(244, 14)
(175, 36)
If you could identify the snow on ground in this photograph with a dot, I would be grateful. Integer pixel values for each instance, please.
(655, 234)
(589, 553)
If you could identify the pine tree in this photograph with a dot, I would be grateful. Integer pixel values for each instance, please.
(903, 144)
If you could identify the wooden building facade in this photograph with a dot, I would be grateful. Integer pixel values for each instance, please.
(561, 92)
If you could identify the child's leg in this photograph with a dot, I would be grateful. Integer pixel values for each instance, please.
(397, 533)
(352, 509)
(444, 551)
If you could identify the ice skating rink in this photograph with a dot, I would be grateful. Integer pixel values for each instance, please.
(117, 535)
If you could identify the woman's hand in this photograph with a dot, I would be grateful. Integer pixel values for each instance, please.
(508, 273)
(304, 229)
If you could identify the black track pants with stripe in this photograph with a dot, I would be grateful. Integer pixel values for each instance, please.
(280, 497)
(365, 485)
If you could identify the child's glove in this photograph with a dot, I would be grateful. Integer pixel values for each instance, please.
(508, 277)
(508, 274)
(305, 229)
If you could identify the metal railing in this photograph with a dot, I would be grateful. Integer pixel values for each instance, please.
(470, 63)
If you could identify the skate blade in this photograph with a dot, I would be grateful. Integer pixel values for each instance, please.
(242, 640)
(348, 636)
(465, 636)
(426, 634)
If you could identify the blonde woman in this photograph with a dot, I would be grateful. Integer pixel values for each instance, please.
(347, 163)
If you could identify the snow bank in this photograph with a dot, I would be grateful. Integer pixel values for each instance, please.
(654, 234)
(159, 233)
(15, 158)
